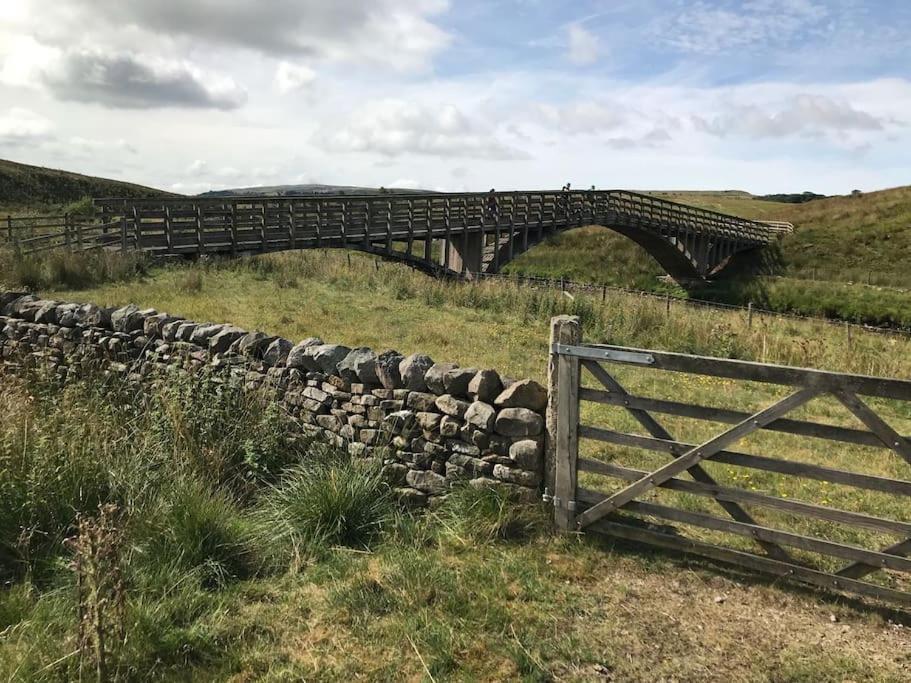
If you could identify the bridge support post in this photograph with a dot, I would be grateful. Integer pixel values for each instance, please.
(465, 253)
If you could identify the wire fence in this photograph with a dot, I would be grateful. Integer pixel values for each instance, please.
(750, 311)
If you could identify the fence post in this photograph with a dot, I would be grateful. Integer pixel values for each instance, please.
(750, 314)
(562, 444)
(67, 240)
(123, 233)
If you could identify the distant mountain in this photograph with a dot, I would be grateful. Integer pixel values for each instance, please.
(22, 185)
(303, 191)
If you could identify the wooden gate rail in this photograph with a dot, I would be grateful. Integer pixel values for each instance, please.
(622, 512)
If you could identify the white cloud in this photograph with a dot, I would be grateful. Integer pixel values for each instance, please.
(396, 127)
(290, 77)
(583, 45)
(21, 127)
(804, 114)
(583, 117)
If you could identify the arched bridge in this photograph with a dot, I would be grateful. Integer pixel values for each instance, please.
(460, 233)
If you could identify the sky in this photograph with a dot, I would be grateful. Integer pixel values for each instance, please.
(455, 95)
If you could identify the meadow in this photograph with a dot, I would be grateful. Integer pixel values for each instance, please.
(234, 567)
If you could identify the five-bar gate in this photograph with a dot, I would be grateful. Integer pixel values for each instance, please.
(787, 534)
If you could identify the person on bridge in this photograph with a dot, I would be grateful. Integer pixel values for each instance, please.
(492, 203)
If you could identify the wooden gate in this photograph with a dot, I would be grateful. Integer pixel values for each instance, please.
(800, 535)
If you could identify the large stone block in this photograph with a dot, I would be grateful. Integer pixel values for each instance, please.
(433, 378)
(277, 352)
(387, 369)
(481, 415)
(450, 405)
(485, 386)
(519, 422)
(427, 481)
(359, 366)
(525, 393)
(457, 380)
(296, 356)
(412, 370)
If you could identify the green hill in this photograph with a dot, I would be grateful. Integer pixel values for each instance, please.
(25, 188)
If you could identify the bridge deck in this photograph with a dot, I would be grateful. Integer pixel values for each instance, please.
(506, 222)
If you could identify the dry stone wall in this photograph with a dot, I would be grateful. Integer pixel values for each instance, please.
(434, 425)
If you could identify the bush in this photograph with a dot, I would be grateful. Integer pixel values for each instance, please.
(329, 500)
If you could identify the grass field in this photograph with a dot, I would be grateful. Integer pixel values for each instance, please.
(465, 593)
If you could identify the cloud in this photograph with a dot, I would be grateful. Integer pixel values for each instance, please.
(290, 77)
(803, 115)
(583, 45)
(399, 33)
(712, 28)
(396, 127)
(583, 117)
(133, 82)
(19, 127)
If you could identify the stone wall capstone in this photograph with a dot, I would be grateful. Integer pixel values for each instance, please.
(433, 424)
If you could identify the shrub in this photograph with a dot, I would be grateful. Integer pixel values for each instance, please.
(328, 500)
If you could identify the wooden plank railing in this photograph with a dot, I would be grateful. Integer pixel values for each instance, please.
(585, 455)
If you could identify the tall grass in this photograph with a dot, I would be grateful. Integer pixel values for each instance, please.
(64, 269)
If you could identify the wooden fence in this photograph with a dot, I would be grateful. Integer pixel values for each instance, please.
(640, 501)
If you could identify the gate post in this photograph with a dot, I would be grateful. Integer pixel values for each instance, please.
(562, 443)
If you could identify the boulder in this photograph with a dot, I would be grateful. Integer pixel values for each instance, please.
(518, 422)
(295, 357)
(428, 422)
(433, 378)
(153, 324)
(457, 380)
(277, 352)
(47, 313)
(452, 406)
(515, 476)
(359, 366)
(203, 333)
(485, 386)
(412, 370)
(221, 342)
(253, 344)
(90, 315)
(481, 415)
(327, 357)
(387, 369)
(127, 319)
(421, 401)
(427, 481)
(525, 393)
(528, 454)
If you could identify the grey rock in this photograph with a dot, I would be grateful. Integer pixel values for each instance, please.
(359, 366)
(428, 422)
(450, 405)
(427, 481)
(185, 331)
(516, 476)
(221, 342)
(481, 415)
(387, 369)
(528, 454)
(253, 344)
(327, 357)
(449, 426)
(203, 333)
(433, 378)
(127, 319)
(518, 422)
(295, 357)
(411, 498)
(47, 313)
(457, 380)
(485, 386)
(525, 393)
(394, 473)
(412, 370)
(153, 324)
(401, 422)
(90, 315)
(420, 401)
(276, 353)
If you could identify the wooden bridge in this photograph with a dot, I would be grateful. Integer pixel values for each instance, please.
(438, 233)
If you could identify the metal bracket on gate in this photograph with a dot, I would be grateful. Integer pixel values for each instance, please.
(558, 502)
(595, 353)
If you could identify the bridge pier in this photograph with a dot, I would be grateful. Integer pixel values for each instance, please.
(465, 253)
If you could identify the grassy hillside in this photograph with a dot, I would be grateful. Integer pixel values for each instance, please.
(475, 591)
(25, 188)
